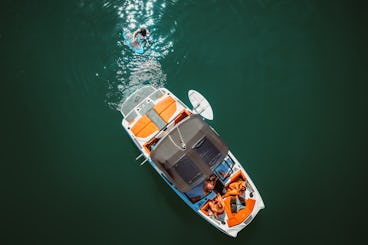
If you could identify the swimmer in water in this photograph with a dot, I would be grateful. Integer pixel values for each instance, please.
(140, 36)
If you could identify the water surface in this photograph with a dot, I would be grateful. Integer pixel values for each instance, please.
(286, 81)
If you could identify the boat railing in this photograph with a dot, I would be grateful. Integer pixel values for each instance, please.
(144, 161)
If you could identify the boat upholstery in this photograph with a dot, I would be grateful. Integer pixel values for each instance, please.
(205, 208)
(144, 127)
(238, 217)
(166, 108)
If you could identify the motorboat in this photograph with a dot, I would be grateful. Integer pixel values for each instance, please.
(191, 157)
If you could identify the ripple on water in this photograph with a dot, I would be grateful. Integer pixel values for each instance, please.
(133, 70)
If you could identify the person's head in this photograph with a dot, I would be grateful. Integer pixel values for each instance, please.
(212, 178)
(208, 186)
(144, 32)
(242, 186)
(218, 202)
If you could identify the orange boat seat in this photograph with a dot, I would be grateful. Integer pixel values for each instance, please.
(144, 127)
(166, 108)
(241, 215)
(205, 208)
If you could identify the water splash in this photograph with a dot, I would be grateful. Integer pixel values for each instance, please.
(140, 72)
(133, 70)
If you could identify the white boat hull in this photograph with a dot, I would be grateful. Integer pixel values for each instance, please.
(149, 128)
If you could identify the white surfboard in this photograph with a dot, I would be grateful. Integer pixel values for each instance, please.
(200, 104)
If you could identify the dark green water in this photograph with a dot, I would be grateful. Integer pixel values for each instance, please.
(293, 73)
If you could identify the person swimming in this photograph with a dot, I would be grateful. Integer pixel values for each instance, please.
(140, 36)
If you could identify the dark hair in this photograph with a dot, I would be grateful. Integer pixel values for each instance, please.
(143, 31)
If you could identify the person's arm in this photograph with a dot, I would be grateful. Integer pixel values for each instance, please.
(195, 199)
(221, 200)
(212, 208)
(231, 193)
(134, 34)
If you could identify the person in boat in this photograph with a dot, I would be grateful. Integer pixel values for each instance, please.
(209, 184)
(204, 189)
(140, 36)
(217, 207)
(236, 190)
(212, 184)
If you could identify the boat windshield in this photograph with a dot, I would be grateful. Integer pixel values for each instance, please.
(225, 169)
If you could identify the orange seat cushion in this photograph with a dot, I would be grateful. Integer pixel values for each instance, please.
(144, 127)
(142, 122)
(205, 208)
(168, 112)
(162, 105)
(148, 130)
(166, 108)
(241, 215)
